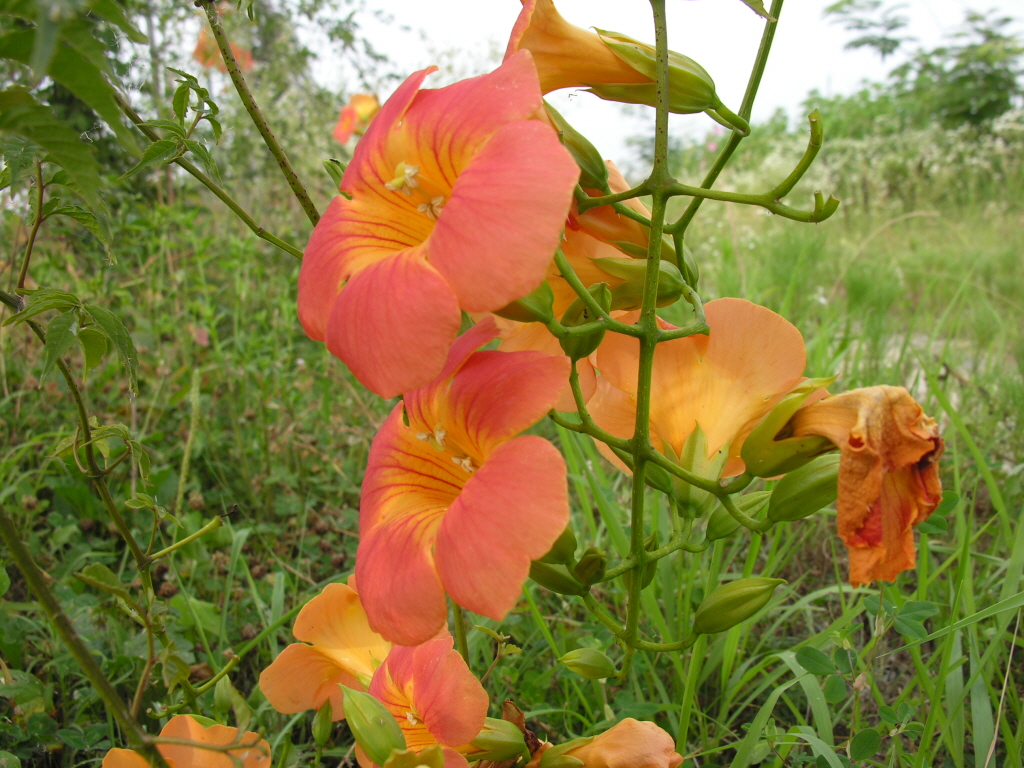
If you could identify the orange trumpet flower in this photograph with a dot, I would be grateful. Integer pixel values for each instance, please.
(356, 116)
(628, 744)
(251, 751)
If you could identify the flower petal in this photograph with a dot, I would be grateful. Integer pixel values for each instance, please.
(393, 324)
(497, 234)
(255, 753)
(302, 677)
(629, 744)
(510, 512)
(124, 758)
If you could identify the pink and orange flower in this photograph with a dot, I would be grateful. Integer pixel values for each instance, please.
(453, 501)
(355, 116)
(455, 199)
(337, 647)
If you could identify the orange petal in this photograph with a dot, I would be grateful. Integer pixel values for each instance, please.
(888, 473)
(629, 744)
(252, 751)
(303, 677)
(125, 758)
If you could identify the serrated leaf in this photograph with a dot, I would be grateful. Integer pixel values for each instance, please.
(21, 115)
(167, 125)
(215, 125)
(64, 447)
(865, 744)
(757, 6)
(180, 101)
(5, 178)
(94, 347)
(119, 431)
(108, 10)
(141, 457)
(87, 219)
(174, 671)
(18, 155)
(43, 300)
(187, 78)
(910, 628)
(814, 661)
(116, 332)
(203, 155)
(75, 72)
(60, 335)
(157, 152)
(835, 689)
(100, 577)
(45, 38)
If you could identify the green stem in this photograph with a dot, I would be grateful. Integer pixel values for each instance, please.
(213, 525)
(137, 738)
(745, 109)
(601, 615)
(461, 641)
(567, 272)
(213, 15)
(40, 187)
(211, 185)
(767, 200)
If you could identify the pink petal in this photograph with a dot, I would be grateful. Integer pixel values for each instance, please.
(393, 324)
(510, 512)
(497, 234)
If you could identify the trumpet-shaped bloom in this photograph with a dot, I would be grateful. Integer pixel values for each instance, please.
(725, 382)
(452, 500)
(458, 200)
(628, 744)
(337, 648)
(208, 54)
(434, 697)
(356, 116)
(251, 750)
(566, 55)
(888, 473)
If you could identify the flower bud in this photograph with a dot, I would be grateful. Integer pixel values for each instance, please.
(563, 549)
(589, 663)
(499, 740)
(591, 566)
(629, 294)
(431, 757)
(222, 698)
(768, 452)
(805, 490)
(335, 169)
(556, 578)
(373, 726)
(323, 724)
(721, 524)
(593, 171)
(732, 603)
(579, 314)
(535, 307)
(556, 757)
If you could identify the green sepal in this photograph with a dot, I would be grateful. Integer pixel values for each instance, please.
(591, 566)
(556, 578)
(563, 550)
(593, 171)
(535, 307)
(692, 501)
(721, 524)
(805, 490)
(579, 313)
(629, 294)
(733, 603)
(373, 726)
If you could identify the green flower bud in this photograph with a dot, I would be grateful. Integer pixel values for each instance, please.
(431, 757)
(629, 294)
(690, 88)
(578, 314)
(556, 578)
(323, 724)
(589, 663)
(721, 524)
(805, 490)
(732, 603)
(535, 307)
(556, 757)
(373, 726)
(593, 171)
(222, 699)
(767, 452)
(690, 270)
(563, 550)
(499, 740)
(335, 169)
(591, 566)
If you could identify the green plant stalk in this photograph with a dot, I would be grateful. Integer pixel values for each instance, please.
(137, 738)
(678, 228)
(186, 458)
(255, 114)
(767, 200)
(210, 184)
(213, 525)
(461, 641)
(585, 202)
(40, 187)
(565, 268)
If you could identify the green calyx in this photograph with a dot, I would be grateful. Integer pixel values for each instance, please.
(733, 603)
(629, 294)
(556, 578)
(535, 307)
(579, 313)
(721, 524)
(589, 663)
(805, 490)
(593, 171)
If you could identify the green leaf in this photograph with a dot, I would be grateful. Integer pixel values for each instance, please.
(75, 72)
(43, 300)
(94, 347)
(814, 661)
(7, 760)
(5, 580)
(917, 610)
(888, 714)
(190, 80)
(60, 335)
(757, 6)
(933, 524)
(116, 332)
(174, 671)
(102, 578)
(180, 101)
(45, 38)
(865, 744)
(21, 115)
(109, 10)
(206, 614)
(73, 738)
(843, 659)
(215, 125)
(168, 125)
(87, 219)
(18, 155)
(157, 152)
(203, 155)
(141, 456)
(835, 689)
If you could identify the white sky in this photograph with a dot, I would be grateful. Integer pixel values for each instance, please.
(722, 35)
